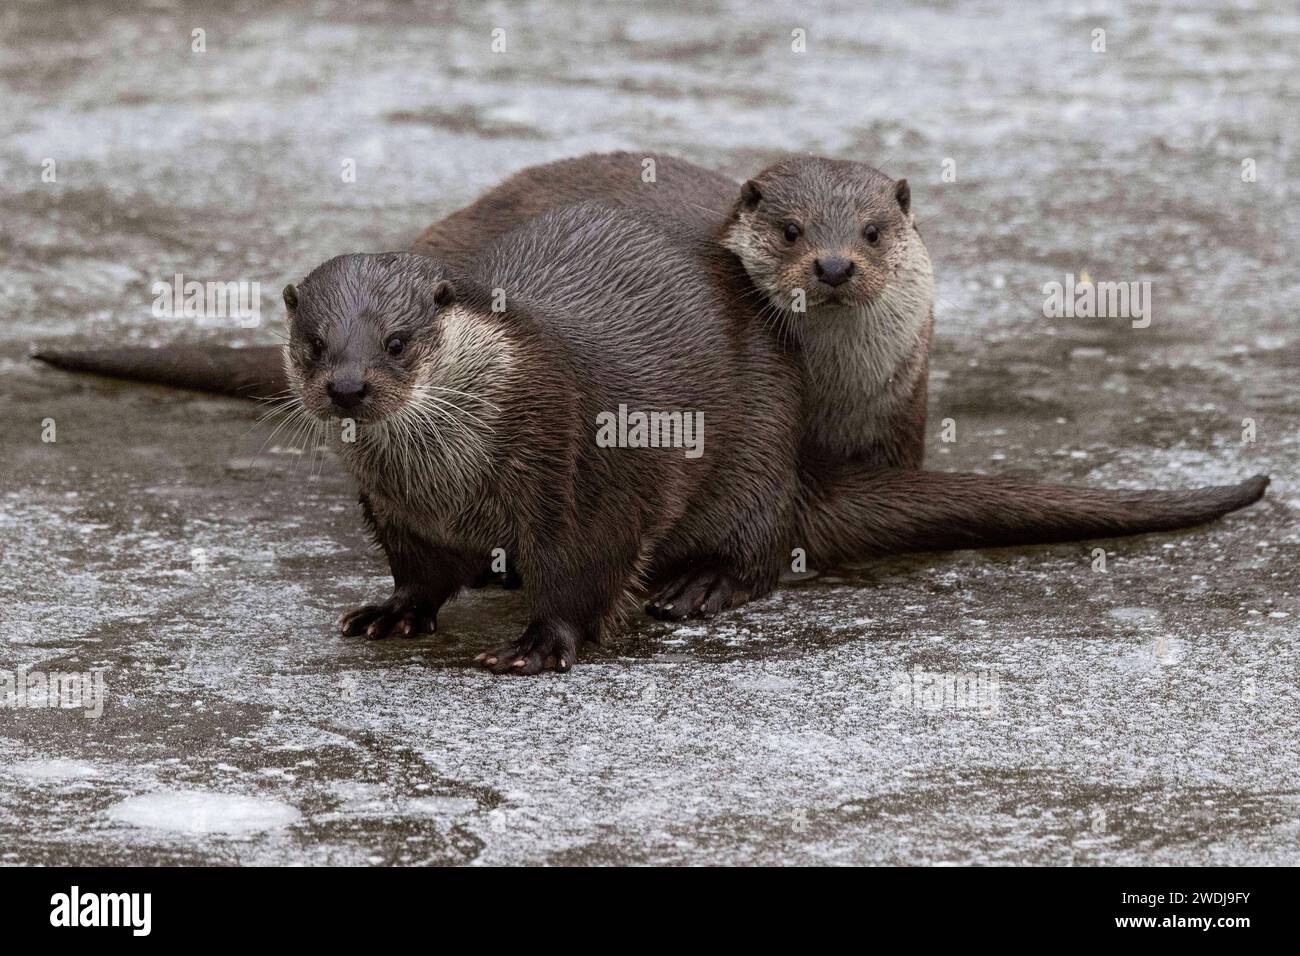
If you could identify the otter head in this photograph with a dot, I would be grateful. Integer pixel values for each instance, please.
(364, 333)
(824, 233)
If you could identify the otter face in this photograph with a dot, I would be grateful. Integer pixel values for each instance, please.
(837, 230)
(363, 332)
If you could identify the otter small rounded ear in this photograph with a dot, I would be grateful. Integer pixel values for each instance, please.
(903, 193)
(444, 293)
(291, 296)
(750, 195)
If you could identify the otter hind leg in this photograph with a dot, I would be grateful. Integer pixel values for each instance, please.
(701, 591)
(544, 645)
(575, 596)
(404, 614)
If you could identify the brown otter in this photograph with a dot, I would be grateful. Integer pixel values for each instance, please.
(476, 428)
(839, 239)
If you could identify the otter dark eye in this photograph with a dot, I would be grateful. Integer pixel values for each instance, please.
(317, 347)
(792, 231)
(871, 233)
(394, 346)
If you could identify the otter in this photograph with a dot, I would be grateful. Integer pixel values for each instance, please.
(476, 427)
(826, 255)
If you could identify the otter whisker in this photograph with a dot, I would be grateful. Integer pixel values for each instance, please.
(431, 418)
(320, 447)
(426, 397)
(432, 415)
(474, 443)
(292, 417)
(470, 395)
(306, 423)
(266, 417)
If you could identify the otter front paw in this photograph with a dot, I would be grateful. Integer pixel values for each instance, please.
(401, 614)
(545, 645)
(700, 592)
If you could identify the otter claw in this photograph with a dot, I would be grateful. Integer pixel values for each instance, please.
(700, 592)
(403, 617)
(545, 645)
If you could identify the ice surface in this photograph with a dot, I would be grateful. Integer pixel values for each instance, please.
(1144, 715)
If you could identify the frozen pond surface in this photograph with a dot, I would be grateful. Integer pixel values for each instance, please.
(1147, 714)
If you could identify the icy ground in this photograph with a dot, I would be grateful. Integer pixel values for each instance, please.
(1144, 714)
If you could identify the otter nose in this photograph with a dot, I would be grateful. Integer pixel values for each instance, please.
(833, 271)
(347, 392)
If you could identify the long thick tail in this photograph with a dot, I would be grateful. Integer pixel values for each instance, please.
(245, 373)
(856, 512)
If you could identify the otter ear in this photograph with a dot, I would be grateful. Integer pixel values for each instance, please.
(750, 195)
(291, 296)
(903, 193)
(444, 293)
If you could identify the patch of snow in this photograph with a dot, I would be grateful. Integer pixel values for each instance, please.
(45, 770)
(201, 811)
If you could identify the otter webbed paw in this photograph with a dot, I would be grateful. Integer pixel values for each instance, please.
(545, 645)
(402, 614)
(700, 592)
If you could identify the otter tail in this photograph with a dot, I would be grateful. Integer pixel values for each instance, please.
(859, 513)
(245, 373)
